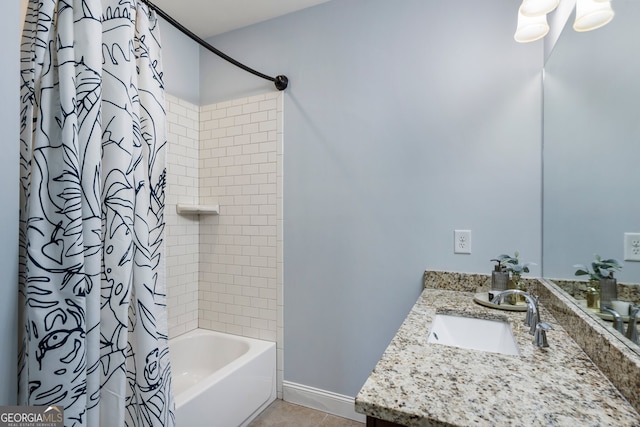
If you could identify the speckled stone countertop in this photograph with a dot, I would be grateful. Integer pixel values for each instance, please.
(420, 384)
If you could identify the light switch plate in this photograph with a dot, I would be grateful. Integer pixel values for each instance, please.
(461, 241)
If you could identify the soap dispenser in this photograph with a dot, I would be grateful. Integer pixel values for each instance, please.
(499, 277)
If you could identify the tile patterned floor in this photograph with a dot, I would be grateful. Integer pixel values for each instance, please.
(285, 414)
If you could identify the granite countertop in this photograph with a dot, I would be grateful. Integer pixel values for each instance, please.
(420, 384)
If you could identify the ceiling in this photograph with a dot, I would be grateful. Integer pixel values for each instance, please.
(208, 18)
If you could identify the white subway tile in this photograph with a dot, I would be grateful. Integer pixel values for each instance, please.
(260, 303)
(258, 136)
(257, 98)
(243, 139)
(250, 107)
(242, 119)
(260, 282)
(219, 114)
(260, 158)
(261, 116)
(226, 122)
(250, 148)
(250, 129)
(234, 111)
(267, 126)
(234, 131)
(268, 105)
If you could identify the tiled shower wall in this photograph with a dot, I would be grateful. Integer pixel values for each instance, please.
(182, 232)
(224, 272)
(240, 288)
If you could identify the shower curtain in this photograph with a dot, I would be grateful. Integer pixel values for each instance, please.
(92, 283)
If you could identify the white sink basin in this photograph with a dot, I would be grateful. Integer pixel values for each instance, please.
(476, 334)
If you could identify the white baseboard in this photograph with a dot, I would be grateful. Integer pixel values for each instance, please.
(321, 400)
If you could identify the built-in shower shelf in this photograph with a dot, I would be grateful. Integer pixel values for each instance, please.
(198, 209)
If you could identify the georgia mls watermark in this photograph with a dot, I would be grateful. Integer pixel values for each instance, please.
(31, 416)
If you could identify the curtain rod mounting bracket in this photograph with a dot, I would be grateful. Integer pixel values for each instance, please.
(281, 82)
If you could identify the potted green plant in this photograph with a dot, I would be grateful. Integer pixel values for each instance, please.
(513, 266)
(601, 279)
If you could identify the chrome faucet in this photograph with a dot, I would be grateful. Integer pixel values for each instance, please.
(536, 328)
(617, 319)
(632, 329)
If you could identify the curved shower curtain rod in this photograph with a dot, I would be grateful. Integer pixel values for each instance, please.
(281, 81)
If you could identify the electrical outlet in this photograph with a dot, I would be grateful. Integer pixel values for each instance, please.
(462, 241)
(632, 246)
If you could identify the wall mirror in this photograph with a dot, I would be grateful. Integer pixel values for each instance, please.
(591, 148)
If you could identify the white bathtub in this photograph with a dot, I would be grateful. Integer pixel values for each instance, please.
(221, 380)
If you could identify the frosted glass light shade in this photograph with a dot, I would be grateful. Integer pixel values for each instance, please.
(592, 14)
(538, 7)
(531, 28)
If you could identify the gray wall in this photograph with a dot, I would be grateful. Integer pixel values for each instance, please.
(592, 145)
(181, 64)
(9, 73)
(403, 121)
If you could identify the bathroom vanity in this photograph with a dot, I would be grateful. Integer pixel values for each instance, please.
(417, 383)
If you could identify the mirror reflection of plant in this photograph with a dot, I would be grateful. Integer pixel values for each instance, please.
(600, 269)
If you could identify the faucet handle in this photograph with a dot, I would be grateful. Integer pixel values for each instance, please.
(540, 336)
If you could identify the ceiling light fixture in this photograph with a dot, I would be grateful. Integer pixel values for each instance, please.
(532, 17)
(531, 28)
(592, 14)
(538, 7)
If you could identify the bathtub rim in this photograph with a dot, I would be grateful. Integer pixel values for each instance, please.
(256, 348)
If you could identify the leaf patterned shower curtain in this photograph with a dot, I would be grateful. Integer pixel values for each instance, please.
(92, 283)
